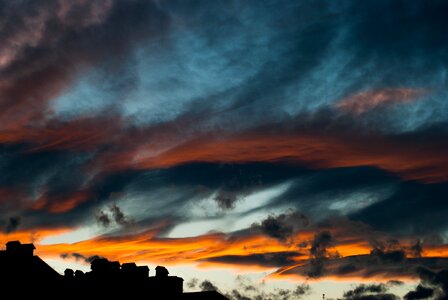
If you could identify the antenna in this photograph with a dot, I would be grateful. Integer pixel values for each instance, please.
(323, 296)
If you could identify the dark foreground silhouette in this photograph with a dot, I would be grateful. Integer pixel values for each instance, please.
(24, 274)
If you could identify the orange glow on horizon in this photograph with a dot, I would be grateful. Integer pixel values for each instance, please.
(199, 251)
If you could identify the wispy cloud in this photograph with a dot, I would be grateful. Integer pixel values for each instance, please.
(366, 101)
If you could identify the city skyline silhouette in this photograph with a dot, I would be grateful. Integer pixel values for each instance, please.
(24, 273)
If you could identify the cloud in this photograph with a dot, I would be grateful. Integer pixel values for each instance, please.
(119, 216)
(363, 289)
(319, 254)
(246, 289)
(417, 249)
(282, 226)
(161, 114)
(273, 259)
(420, 292)
(370, 291)
(309, 254)
(369, 266)
(103, 219)
(207, 285)
(433, 285)
(61, 203)
(366, 101)
(114, 214)
(302, 290)
(395, 283)
(192, 283)
(11, 225)
(80, 257)
(289, 143)
(46, 45)
(414, 218)
(226, 200)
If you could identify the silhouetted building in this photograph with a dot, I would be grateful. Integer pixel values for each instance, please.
(19, 261)
(18, 249)
(28, 275)
(131, 270)
(162, 282)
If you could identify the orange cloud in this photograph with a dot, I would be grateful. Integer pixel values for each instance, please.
(202, 251)
(24, 99)
(30, 236)
(147, 247)
(79, 134)
(60, 204)
(408, 157)
(142, 247)
(365, 101)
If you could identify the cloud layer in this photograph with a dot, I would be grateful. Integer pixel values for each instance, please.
(294, 137)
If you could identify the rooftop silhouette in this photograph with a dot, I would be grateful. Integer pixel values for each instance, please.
(26, 274)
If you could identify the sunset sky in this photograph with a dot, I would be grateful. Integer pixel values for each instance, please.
(281, 149)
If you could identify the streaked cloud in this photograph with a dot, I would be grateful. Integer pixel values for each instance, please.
(366, 101)
(292, 138)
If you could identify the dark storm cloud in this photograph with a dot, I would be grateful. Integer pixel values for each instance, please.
(371, 266)
(381, 292)
(282, 226)
(370, 292)
(414, 208)
(27, 170)
(433, 285)
(42, 182)
(408, 207)
(363, 289)
(420, 292)
(323, 186)
(314, 192)
(319, 254)
(275, 259)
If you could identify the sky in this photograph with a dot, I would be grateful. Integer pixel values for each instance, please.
(267, 149)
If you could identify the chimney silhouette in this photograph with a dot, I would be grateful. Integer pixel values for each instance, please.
(161, 272)
(18, 249)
